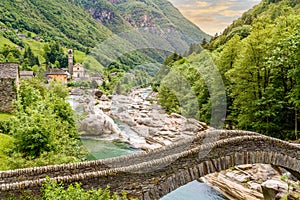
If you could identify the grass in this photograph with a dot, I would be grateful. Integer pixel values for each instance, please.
(92, 65)
(37, 48)
(5, 143)
(4, 41)
(4, 116)
(79, 56)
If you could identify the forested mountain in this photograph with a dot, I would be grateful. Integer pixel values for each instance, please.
(120, 15)
(270, 9)
(258, 58)
(60, 21)
(83, 24)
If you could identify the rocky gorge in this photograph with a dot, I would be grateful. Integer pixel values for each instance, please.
(146, 125)
(255, 182)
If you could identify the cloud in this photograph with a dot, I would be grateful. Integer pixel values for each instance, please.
(202, 4)
(213, 16)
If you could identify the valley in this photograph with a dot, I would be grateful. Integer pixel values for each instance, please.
(97, 90)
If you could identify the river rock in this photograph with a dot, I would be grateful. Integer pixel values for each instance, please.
(254, 186)
(105, 106)
(239, 176)
(141, 130)
(257, 180)
(232, 189)
(274, 189)
(76, 91)
(98, 94)
(99, 124)
(104, 98)
(151, 121)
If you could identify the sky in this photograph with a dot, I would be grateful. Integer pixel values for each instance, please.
(213, 16)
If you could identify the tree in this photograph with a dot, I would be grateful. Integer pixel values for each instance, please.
(264, 79)
(172, 58)
(285, 62)
(54, 54)
(29, 60)
(54, 190)
(44, 122)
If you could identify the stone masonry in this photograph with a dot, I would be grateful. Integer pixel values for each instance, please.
(9, 79)
(156, 173)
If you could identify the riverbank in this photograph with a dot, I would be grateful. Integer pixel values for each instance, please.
(143, 124)
(255, 182)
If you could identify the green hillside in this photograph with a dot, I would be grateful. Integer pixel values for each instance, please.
(258, 60)
(123, 15)
(270, 9)
(5, 144)
(84, 24)
(56, 20)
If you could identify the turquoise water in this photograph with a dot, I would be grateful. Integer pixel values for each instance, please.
(100, 149)
(194, 191)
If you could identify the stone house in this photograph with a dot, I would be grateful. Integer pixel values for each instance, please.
(57, 75)
(9, 83)
(22, 36)
(66, 70)
(98, 78)
(25, 75)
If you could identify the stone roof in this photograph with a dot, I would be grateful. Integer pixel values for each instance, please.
(26, 73)
(97, 75)
(77, 65)
(9, 70)
(56, 73)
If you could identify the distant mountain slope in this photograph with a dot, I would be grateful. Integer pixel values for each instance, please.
(257, 61)
(271, 9)
(58, 20)
(85, 24)
(68, 21)
(120, 15)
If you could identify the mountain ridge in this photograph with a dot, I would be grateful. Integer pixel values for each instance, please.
(84, 23)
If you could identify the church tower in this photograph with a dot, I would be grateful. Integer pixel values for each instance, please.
(70, 61)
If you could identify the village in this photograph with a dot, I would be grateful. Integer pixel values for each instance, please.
(11, 77)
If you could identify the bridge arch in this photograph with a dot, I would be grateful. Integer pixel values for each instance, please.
(271, 151)
(155, 174)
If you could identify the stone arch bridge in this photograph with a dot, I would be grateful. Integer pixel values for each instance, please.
(151, 175)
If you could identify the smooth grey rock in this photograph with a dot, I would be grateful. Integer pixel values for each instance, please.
(99, 124)
(274, 189)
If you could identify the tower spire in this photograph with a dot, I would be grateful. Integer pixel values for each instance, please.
(70, 61)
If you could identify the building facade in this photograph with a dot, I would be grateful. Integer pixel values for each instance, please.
(79, 72)
(57, 75)
(9, 83)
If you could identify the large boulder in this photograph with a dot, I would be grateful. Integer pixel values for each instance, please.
(274, 189)
(98, 124)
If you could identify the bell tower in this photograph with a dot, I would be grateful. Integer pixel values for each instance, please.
(70, 61)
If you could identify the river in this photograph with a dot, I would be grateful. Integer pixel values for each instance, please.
(101, 148)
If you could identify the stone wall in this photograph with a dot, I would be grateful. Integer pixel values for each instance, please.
(146, 176)
(128, 160)
(7, 94)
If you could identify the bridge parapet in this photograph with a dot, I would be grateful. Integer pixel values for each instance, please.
(151, 179)
(69, 169)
